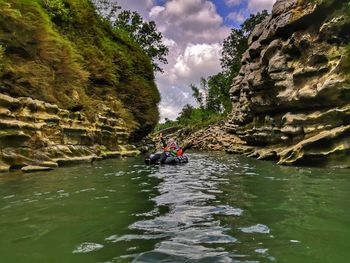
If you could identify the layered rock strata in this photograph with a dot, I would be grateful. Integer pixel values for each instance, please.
(291, 99)
(212, 138)
(36, 136)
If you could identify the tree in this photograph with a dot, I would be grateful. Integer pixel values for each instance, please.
(233, 48)
(107, 9)
(218, 93)
(58, 11)
(200, 94)
(237, 43)
(197, 95)
(249, 24)
(144, 33)
(213, 93)
(185, 113)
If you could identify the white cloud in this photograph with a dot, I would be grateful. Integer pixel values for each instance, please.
(180, 7)
(169, 43)
(193, 30)
(193, 21)
(259, 5)
(156, 10)
(186, 66)
(173, 100)
(168, 111)
(141, 6)
(238, 16)
(196, 61)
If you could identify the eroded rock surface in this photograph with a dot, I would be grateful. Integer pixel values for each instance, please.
(35, 135)
(291, 100)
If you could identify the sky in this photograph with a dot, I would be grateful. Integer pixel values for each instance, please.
(194, 31)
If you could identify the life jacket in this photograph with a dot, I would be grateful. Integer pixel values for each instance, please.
(176, 152)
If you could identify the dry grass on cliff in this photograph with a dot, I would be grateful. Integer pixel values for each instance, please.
(61, 52)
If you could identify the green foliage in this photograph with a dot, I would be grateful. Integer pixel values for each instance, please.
(57, 10)
(167, 124)
(144, 33)
(60, 51)
(237, 43)
(107, 9)
(254, 19)
(142, 104)
(233, 49)
(198, 95)
(218, 93)
(186, 112)
(212, 94)
(195, 118)
(1, 57)
(198, 117)
(8, 11)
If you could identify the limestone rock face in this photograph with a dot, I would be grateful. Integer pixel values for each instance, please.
(291, 100)
(37, 136)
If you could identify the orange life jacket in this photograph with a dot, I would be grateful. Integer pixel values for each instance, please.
(179, 152)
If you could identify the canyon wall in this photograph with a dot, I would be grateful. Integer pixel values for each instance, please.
(35, 135)
(291, 99)
(72, 88)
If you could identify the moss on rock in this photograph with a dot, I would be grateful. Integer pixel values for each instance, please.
(61, 52)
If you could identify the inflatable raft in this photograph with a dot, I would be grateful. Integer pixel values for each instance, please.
(154, 159)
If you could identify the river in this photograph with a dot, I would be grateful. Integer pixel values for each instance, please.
(216, 208)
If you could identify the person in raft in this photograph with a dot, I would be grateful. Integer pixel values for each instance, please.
(172, 151)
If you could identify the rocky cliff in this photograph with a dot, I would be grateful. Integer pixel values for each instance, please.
(35, 135)
(71, 87)
(291, 100)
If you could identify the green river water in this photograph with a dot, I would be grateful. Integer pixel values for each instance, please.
(216, 208)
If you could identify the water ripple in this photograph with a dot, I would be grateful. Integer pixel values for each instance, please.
(179, 252)
(259, 228)
(189, 228)
(87, 247)
(116, 238)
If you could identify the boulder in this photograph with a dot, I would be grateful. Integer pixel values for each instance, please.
(283, 6)
(33, 168)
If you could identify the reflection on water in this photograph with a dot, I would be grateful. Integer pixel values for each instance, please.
(216, 208)
(190, 224)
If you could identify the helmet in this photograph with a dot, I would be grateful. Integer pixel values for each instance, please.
(173, 146)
